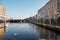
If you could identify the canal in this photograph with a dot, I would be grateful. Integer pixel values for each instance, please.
(26, 31)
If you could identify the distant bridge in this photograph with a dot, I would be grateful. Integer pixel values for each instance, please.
(18, 21)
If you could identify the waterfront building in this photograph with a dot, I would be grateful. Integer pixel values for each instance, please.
(2, 13)
(2, 10)
(50, 11)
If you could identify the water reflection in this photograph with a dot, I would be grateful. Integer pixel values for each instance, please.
(46, 34)
(2, 31)
(22, 31)
(26, 31)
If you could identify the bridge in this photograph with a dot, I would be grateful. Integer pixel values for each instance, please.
(18, 21)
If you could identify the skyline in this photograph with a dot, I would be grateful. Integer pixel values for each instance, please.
(21, 9)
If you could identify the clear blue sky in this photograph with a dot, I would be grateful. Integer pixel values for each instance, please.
(22, 8)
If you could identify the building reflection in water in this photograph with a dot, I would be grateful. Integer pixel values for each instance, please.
(46, 34)
(2, 31)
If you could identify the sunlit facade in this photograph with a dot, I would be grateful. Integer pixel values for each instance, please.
(2, 10)
(2, 13)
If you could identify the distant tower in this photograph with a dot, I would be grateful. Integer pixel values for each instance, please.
(2, 10)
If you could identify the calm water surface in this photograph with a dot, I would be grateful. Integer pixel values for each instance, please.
(26, 31)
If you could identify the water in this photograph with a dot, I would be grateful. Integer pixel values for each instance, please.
(26, 31)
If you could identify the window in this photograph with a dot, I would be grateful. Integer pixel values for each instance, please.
(58, 4)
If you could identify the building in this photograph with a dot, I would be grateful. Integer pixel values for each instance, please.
(2, 10)
(50, 11)
(2, 13)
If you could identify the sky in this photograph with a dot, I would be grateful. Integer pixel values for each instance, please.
(21, 9)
